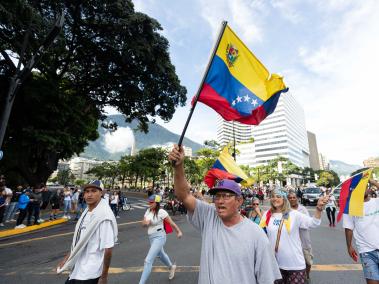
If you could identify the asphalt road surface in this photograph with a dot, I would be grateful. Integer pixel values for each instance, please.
(32, 258)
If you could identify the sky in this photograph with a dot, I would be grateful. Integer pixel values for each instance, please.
(327, 52)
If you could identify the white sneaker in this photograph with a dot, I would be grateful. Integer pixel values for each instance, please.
(1, 224)
(41, 220)
(65, 217)
(117, 217)
(22, 226)
(172, 272)
(68, 217)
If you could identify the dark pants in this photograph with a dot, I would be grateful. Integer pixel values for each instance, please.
(331, 213)
(21, 216)
(89, 281)
(33, 209)
(44, 204)
(2, 211)
(114, 209)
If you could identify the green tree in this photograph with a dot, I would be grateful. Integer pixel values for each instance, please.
(326, 179)
(106, 55)
(64, 177)
(206, 158)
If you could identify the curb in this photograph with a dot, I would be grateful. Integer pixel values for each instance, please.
(12, 232)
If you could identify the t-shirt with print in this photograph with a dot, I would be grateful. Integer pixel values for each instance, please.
(90, 262)
(156, 222)
(290, 254)
(238, 254)
(305, 235)
(365, 229)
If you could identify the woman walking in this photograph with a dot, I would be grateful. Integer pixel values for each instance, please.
(331, 209)
(153, 220)
(67, 202)
(282, 227)
(114, 203)
(255, 214)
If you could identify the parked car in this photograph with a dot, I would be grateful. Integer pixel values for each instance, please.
(311, 195)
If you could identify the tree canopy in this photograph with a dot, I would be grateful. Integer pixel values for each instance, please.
(106, 55)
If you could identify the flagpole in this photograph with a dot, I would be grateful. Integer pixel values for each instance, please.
(221, 32)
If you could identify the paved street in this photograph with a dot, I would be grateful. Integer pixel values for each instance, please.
(32, 258)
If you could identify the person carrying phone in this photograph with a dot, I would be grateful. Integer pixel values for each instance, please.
(365, 231)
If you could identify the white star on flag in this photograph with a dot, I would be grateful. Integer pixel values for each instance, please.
(234, 102)
(247, 98)
(254, 102)
(239, 99)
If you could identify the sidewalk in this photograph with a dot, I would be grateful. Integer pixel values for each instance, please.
(9, 228)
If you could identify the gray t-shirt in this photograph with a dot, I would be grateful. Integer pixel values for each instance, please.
(238, 254)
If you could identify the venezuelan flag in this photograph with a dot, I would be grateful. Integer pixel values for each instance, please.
(238, 86)
(226, 168)
(352, 194)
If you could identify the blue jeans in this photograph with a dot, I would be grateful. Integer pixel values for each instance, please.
(157, 241)
(80, 208)
(67, 206)
(370, 264)
(11, 211)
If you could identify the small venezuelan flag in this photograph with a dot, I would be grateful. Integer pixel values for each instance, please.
(352, 194)
(226, 168)
(238, 86)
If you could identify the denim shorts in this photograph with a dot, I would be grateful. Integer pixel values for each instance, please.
(370, 263)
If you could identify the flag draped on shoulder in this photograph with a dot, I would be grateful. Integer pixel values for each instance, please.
(226, 168)
(352, 194)
(238, 86)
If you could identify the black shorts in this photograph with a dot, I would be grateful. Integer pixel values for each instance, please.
(55, 206)
(88, 281)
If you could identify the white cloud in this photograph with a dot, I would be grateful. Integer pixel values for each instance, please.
(340, 97)
(119, 140)
(239, 14)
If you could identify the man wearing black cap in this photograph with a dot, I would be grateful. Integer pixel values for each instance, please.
(94, 237)
(234, 249)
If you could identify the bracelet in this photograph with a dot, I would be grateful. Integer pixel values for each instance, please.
(319, 209)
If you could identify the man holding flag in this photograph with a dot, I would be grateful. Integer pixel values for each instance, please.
(234, 249)
(365, 230)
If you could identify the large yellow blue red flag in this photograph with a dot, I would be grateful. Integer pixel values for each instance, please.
(226, 168)
(352, 194)
(238, 86)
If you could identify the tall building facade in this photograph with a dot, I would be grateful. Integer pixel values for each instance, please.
(314, 161)
(283, 133)
(324, 162)
(227, 130)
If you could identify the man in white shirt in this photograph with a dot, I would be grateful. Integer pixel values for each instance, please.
(365, 231)
(304, 233)
(94, 237)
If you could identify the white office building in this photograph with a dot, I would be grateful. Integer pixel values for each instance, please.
(283, 133)
(227, 130)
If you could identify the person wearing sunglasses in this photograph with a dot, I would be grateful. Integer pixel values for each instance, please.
(282, 226)
(233, 249)
(255, 213)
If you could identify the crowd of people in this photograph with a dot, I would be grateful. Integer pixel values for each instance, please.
(241, 243)
(29, 202)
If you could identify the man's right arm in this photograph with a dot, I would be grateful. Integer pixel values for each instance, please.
(181, 185)
(350, 249)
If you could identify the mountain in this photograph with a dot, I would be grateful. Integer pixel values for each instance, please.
(157, 135)
(342, 168)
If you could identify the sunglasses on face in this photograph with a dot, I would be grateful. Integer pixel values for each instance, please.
(255, 203)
